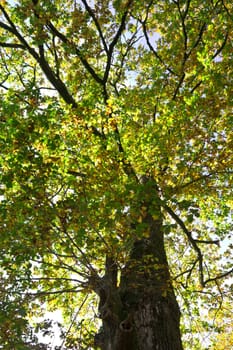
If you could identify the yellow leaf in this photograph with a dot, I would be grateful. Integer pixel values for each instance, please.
(155, 217)
(164, 294)
(140, 219)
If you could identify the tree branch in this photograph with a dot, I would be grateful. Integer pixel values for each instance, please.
(119, 68)
(72, 322)
(60, 265)
(5, 26)
(115, 40)
(216, 241)
(178, 86)
(191, 240)
(204, 177)
(12, 45)
(51, 292)
(222, 275)
(92, 14)
(55, 81)
(188, 272)
(85, 63)
(203, 28)
(154, 51)
(219, 50)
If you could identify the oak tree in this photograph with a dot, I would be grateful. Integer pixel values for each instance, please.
(116, 171)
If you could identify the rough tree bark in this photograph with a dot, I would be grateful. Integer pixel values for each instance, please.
(141, 313)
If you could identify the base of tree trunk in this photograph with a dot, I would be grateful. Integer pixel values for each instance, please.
(151, 324)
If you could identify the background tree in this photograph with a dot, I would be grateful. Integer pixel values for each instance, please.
(116, 168)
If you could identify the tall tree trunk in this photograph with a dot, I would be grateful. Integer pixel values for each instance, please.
(142, 312)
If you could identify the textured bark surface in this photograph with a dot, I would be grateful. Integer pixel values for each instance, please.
(142, 312)
(157, 325)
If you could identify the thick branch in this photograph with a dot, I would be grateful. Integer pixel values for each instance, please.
(115, 40)
(216, 241)
(5, 26)
(12, 45)
(65, 40)
(92, 14)
(85, 63)
(178, 86)
(55, 81)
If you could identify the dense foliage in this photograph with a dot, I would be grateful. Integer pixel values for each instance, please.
(107, 106)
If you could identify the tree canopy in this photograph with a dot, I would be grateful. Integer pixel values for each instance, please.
(115, 118)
